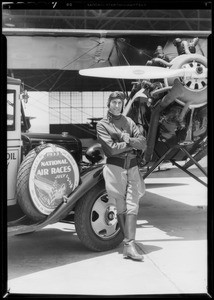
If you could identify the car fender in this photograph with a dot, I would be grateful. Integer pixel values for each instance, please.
(88, 180)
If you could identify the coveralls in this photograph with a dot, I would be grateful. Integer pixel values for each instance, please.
(122, 177)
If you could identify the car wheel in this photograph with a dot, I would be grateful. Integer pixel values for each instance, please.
(96, 220)
(47, 173)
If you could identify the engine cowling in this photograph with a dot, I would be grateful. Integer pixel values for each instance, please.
(194, 89)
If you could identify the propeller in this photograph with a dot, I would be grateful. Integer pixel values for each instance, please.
(144, 72)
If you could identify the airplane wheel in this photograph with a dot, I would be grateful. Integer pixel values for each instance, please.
(47, 173)
(195, 90)
(96, 220)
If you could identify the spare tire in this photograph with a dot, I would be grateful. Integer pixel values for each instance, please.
(47, 173)
(195, 90)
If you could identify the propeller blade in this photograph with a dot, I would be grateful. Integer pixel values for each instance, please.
(138, 72)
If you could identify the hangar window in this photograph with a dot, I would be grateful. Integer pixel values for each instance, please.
(76, 107)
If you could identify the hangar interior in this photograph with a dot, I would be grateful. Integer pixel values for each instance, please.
(46, 48)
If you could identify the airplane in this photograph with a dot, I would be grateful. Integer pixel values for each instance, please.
(168, 101)
(185, 59)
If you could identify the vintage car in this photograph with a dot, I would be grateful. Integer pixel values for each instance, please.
(48, 181)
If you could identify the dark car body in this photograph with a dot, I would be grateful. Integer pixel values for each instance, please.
(69, 142)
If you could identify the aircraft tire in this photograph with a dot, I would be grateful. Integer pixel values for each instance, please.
(96, 221)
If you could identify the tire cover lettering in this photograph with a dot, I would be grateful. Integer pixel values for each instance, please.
(54, 173)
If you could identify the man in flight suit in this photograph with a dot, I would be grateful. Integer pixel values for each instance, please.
(120, 138)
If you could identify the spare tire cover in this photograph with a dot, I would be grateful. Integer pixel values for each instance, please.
(53, 174)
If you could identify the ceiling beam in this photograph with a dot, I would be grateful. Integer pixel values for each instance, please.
(99, 33)
(202, 19)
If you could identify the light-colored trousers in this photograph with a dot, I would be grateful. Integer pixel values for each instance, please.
(124, 186)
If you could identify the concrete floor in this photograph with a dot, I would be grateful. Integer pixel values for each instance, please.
(172, 231)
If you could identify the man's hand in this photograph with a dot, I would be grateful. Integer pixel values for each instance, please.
(125, 137)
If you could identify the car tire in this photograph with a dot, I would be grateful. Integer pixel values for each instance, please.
(96, 220)
(31, 204)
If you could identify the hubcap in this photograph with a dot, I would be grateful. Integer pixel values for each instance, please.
(111, 215)
(104, 218)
